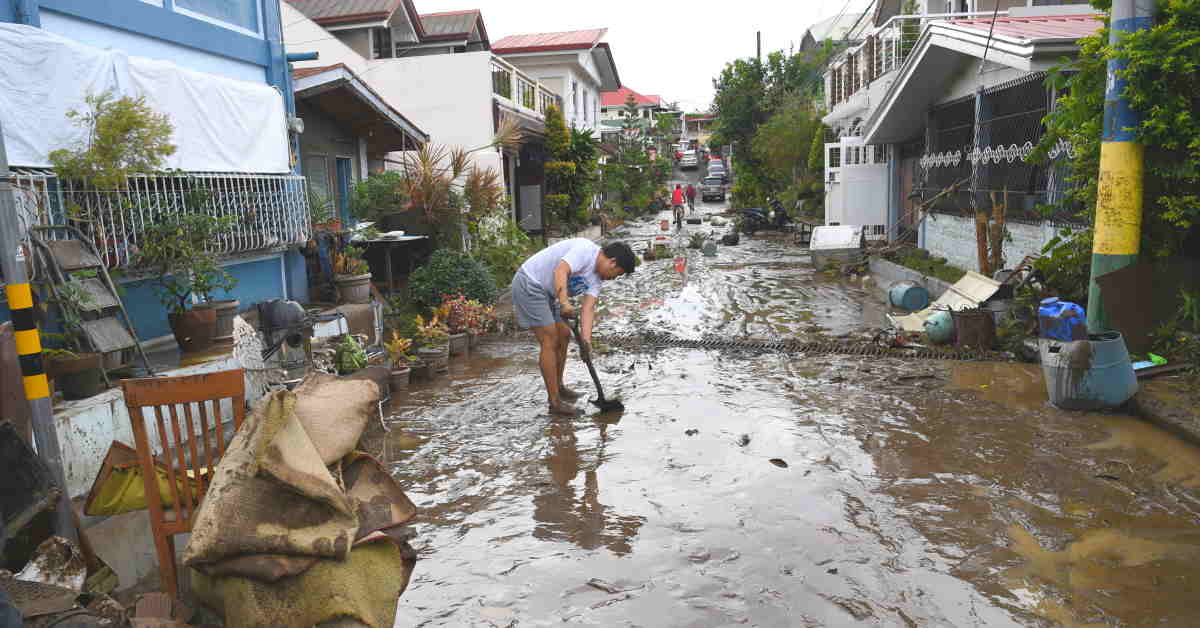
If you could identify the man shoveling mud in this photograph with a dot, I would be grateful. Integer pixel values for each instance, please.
(542, 291)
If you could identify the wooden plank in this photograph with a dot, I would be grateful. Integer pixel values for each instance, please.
(14, 408)
(72, 255)
(108, 334)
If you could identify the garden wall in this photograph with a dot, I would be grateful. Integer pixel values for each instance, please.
(953, 237)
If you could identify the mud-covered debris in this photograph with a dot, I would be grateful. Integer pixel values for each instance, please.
(743, 440)
(692, 432)
(611, 588)
(832, 571)
(779, 462)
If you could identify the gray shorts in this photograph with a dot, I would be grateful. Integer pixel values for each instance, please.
(533, 304)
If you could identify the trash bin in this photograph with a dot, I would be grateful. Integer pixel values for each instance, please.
(974, 327)
(1091, 374)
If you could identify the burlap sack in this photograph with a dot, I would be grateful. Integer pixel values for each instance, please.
(334, 411)
(272, 494)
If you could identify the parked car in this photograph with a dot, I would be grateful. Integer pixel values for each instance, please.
(712, 188)
(715, 170)
(689, 161)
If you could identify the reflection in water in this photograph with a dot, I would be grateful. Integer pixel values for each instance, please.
(564, 513)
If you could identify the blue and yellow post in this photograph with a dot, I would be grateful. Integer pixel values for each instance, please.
(1119, 199)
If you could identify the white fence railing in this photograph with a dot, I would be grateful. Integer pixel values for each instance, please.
(520, 90)
(882, 50)
(270, 211)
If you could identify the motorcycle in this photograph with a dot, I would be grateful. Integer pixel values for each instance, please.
(759, 219)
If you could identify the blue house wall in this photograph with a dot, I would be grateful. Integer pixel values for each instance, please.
(186, 33)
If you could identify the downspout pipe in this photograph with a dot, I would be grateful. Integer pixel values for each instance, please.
(1118, 232)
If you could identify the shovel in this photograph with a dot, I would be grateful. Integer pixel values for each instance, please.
(605, 405)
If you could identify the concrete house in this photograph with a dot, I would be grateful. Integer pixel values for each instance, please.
(613, 114)
(575, 65)
(219, 71)
(908, 101)
(449, 84)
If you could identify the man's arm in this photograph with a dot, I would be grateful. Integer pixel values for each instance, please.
(586, 318)
(561, 273)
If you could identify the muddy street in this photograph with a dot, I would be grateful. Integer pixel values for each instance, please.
(777, 490)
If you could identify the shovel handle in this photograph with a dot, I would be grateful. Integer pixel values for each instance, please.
(587, 359)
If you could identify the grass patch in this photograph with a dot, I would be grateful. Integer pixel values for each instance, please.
(919, 260)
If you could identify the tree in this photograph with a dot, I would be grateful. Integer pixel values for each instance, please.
(1162, 69)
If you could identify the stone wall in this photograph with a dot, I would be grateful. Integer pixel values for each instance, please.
(953, 237)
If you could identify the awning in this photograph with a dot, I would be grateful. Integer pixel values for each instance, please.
(344, 97)
(1028, 44)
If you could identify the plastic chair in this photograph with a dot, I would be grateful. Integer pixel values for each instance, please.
(191, 447)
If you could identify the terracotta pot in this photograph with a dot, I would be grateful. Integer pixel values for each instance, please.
(193, 329)
(79, 377)
(354, 288)
(459, 344)
(399, 379)
(226, 310)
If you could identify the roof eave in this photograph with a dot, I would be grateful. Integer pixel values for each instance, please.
(615, 84)
(340, 76)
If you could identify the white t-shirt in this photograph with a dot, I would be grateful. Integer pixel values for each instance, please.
(579, 253)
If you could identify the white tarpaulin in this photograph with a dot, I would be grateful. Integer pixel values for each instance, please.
(221, 124)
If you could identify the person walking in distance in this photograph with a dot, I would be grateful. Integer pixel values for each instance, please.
(677, 204)
(542, 291)
(691, 198)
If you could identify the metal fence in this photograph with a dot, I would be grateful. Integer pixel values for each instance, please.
(1009, 127)
(270, 211)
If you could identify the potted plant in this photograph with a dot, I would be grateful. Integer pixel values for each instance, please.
(433, 337)
(322, 212)
(173, 254)
(349, 356)
(476, 322)
(78, 374)
(456, 311)
(402, 362)
(352, 275)
(226, 309)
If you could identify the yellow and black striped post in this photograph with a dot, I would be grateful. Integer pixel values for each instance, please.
(29, 350)
(1118, 232)
(29, 342)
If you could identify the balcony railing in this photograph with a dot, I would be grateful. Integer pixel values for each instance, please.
(881, 51)
(520, 90)
(271, 211)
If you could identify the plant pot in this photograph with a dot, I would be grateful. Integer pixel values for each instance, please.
(79, 377)
(399, 379)
(353, 288)
(226, 310)
(459, 344)
(332, 226)
(193, 329)
(419, 370)
(437, 358)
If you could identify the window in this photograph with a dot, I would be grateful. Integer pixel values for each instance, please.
(316, 170)
(574, 97)
(242, 14)
(381, 43)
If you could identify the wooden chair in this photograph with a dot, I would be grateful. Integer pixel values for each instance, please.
(188, 463)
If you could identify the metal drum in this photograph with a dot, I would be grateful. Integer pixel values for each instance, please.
(908, 295)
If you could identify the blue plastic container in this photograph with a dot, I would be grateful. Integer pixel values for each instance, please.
(939, 327)
(1092, 374)
(1062, 320)
(908, 295)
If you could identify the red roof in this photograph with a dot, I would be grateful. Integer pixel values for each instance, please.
(1041, 27)
(549, 42)
(618, 98)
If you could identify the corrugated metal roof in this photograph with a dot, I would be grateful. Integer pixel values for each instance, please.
(545, 42)
(1037, 28)
(618, 97)
(320, 9)
(450, 22)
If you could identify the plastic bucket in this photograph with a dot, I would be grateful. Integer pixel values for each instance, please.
(939, 327)
(908, 295)
(1090, 374)
(680, 264)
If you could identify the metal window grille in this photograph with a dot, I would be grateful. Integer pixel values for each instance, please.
(271, 211)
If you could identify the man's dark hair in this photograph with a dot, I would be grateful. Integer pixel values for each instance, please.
(622, 255)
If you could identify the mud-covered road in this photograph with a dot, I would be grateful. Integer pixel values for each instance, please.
(914, 493)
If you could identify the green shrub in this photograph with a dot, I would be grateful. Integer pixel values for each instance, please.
(452, 273)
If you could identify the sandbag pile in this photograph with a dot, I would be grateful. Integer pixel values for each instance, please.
(297, 527)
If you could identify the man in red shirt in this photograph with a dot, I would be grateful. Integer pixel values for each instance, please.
(691, 198)
(677, 204)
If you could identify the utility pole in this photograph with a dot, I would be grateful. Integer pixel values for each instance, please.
(1119, 199)
(758, 38)
(29, 349)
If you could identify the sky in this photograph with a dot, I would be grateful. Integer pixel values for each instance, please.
(671, 48)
